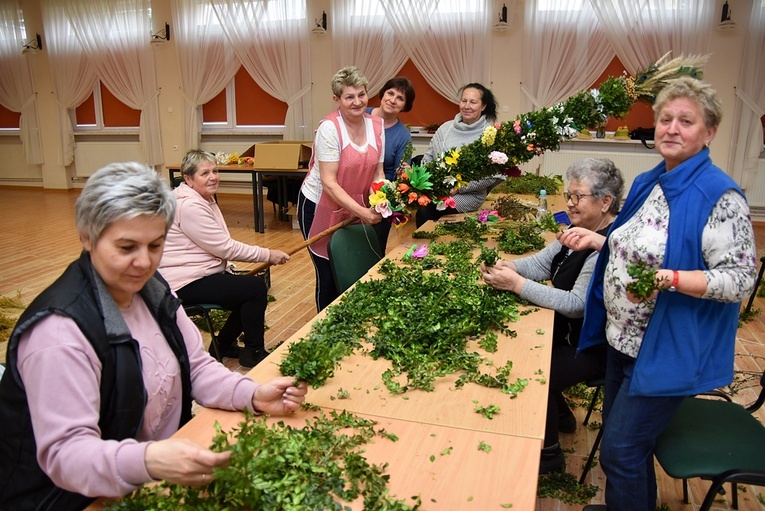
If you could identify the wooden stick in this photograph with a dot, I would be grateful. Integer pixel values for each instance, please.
(310, 241)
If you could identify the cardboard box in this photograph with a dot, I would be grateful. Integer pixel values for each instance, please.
(283, 154)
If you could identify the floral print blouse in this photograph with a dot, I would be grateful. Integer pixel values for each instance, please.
(728, 250)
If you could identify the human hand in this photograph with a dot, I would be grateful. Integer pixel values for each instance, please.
(278, 257)
(280, 396)
(502, 276)
(370, 217)
(579, 238)
(182, 461)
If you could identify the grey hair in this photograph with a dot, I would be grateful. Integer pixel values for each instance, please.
(192, 159)
(703, 94)
(349, 76)
(602, 176)
(122, 191)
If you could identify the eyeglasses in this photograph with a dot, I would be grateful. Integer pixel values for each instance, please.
(575, 197)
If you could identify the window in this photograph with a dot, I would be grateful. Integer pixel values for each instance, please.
(245, 106)
(102, 111)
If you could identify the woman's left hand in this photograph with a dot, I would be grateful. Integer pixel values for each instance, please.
(502, 276)
(279, 396)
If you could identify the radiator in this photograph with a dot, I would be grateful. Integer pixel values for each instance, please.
(630, 165)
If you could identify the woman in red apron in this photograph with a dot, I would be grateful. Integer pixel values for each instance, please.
(348, 155)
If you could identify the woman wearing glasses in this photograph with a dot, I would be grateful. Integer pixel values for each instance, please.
(594, 193)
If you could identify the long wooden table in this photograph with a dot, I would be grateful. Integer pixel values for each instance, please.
(256, 175)
(428, 423)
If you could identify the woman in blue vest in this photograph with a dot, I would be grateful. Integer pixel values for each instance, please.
(689, 221)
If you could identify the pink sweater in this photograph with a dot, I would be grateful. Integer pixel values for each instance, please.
(61, 374)
(198, 243)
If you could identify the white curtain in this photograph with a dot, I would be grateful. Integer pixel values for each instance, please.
(72, 75)
(270, 38)
(746, 144)
(362, 37)
(567, 52)
(206, 61)
(115, 35)
(17, 91)
(641, 31)
(448, 42)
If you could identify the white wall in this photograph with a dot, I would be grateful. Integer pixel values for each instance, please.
(507, 56)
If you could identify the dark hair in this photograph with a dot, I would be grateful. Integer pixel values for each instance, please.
(404, 85)
(487, 98)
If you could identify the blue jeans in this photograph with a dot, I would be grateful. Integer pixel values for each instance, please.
(632, 424)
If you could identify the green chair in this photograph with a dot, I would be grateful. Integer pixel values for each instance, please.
(353, 250)
(716, 440)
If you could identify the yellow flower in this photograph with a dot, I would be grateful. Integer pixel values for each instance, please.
(460, 183)
(377, 198)
(452, 157)
(489, 134)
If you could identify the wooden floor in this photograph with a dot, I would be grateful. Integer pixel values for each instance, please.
(41, 240)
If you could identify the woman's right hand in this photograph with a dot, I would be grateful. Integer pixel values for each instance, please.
(182, 461)
(579, 238)
(278, 257)
(370, 216)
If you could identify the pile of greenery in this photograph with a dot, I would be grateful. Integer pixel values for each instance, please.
(419, 320)
(283, 468)
(530, 184)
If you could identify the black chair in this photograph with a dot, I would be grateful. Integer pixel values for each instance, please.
(203, 310)
(597, 385)
(757, 287)
(718, 440)
(352, 251)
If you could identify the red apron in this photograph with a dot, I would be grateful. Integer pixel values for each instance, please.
(354, 174)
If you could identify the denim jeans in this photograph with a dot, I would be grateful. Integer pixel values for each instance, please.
(632, 424)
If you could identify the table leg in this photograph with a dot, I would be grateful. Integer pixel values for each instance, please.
(257, 202)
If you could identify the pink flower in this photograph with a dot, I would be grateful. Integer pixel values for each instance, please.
(383, 208)
(498, 157)
(420, 252)
(448, 202)
(517, 126)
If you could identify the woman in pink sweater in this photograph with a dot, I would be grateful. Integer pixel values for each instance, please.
(104, 364)
(196, 261)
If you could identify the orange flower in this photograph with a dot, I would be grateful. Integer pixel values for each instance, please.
(403, 187)
(423, 200)
(412, 197)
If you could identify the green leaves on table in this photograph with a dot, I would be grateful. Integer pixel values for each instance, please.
(279, 467)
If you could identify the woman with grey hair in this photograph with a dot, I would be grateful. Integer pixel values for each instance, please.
(103, 365)
(687, 221)
(196, 259)
(595, 187)
(348, 155)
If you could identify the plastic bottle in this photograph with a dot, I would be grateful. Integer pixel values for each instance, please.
(542, 205)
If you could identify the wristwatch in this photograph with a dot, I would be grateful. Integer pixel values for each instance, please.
(675, 281)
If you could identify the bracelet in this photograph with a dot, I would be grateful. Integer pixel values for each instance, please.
(675, 281)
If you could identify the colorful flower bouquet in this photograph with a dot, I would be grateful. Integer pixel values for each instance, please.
(504, 146)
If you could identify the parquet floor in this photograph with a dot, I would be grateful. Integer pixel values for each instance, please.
(40, 239)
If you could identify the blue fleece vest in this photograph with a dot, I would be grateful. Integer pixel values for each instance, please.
(689, 342)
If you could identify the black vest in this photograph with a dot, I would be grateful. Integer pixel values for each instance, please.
(564, 270)
(79, 295)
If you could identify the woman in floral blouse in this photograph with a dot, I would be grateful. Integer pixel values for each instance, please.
(689, 221)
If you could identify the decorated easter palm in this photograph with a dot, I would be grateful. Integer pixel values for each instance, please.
(503, 147)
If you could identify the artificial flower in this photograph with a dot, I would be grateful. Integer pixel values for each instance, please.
(412, 197)
(489, 216)
(498, 157)
(398, 219)
(517, 126)
(419, 178)
(447, 202)
(378, 197)
(424, 200)
(452, 157)
(420, 251)
(489, 134)
(377, 185)
(383, 208)
(403, 187)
